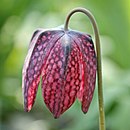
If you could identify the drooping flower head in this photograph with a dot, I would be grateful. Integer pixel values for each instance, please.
(66, 62)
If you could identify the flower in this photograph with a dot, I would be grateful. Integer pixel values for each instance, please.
(66, 62)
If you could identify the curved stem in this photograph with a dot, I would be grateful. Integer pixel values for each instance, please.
(99, 66)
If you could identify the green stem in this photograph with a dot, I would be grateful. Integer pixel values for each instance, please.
(99, 65)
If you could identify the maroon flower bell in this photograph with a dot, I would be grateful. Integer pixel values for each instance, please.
(66, 62)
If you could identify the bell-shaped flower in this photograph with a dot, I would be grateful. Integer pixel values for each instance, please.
(66, 63)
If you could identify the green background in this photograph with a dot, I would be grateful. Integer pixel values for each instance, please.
(18, 20)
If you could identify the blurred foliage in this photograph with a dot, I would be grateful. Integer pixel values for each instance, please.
(18, 20)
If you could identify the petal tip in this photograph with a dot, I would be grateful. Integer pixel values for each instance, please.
(28, 109)
(84, 110)
(56, 116)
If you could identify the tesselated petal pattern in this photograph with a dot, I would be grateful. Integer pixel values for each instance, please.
(66, 60)
(88, 68)
(61, 80)
(40, 46)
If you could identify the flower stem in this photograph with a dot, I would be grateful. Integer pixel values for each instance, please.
(99, 65)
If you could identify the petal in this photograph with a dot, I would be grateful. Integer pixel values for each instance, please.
(88, 69)
(40, 46)
(60, 76)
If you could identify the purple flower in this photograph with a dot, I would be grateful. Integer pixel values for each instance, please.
(66, 62)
